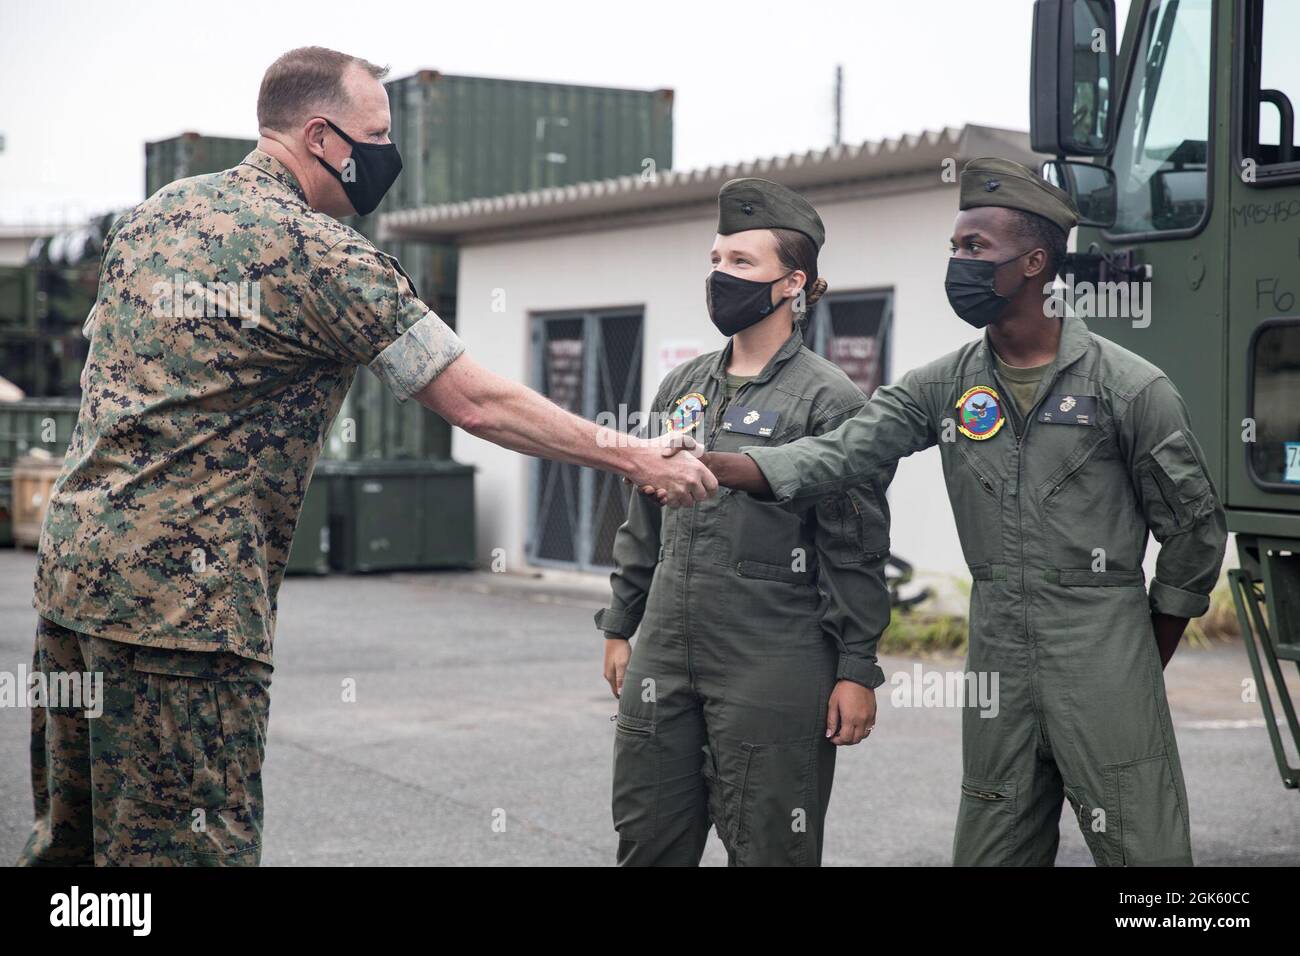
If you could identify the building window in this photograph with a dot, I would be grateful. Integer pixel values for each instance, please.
(852, 330)
(1271, 85)
(588, 363)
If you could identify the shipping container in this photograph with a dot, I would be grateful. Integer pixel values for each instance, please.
(190, 154)
(17, 299)
(43, 424)
(372, 425)
(466, 137)
(399, 515)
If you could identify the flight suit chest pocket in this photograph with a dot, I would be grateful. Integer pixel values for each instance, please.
(1086, 506)
(768, 540)
(976, 493)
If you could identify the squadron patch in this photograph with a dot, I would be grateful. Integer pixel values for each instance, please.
(687, 413)
(979, 413)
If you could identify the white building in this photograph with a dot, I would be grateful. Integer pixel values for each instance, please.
(591, 293)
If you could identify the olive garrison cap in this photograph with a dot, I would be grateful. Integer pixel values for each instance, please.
(762, 204)
(1000, 182)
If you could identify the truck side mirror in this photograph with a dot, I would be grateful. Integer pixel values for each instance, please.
(1091, 187)
(1072, 77)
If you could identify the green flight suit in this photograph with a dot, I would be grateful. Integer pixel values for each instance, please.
(1053, 525)
(748, 614)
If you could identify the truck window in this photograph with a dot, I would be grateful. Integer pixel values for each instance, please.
(1272, 82)
(1161, 148)
(1275, 383)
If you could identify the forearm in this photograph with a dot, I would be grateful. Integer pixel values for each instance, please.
(515, 417)
(892, 425)
(737, 471)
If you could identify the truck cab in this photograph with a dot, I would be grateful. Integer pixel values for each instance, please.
(1179, 146)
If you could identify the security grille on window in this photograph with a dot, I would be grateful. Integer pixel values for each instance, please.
(588, 364)
(852, 330)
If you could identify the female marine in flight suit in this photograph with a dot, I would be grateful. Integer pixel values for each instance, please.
(756, 653)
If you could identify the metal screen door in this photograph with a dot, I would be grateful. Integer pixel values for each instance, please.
(590, 364)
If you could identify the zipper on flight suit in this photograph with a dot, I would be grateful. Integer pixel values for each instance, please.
(690, 539)
(1020, 530)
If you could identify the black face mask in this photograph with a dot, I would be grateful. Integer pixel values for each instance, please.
(971, 292)
(375, 169)
(735, 303)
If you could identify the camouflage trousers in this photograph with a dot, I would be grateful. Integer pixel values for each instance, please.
(169, 772)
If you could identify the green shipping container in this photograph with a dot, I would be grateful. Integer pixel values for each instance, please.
(395, 515)
(371, 425)
(466, 137)
(190, 154)
(17, 298)
(310, 553)
(37, 423)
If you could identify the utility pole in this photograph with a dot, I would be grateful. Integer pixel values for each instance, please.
(839, 104)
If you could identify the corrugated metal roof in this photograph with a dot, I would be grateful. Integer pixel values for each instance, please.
(835, 165)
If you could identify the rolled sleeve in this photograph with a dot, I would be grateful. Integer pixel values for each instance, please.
(860, 671)
(620, 623)
(1167, 599)
(417, 356)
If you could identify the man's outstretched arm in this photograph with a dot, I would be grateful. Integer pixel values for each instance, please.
(895, 423)
(515, 417)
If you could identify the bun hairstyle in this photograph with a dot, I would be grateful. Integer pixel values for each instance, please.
(798, 251)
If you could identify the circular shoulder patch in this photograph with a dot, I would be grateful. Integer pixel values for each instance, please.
(979, 413)
(687, 413)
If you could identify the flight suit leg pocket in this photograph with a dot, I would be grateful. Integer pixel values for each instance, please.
(1150, 817)
(986, 823)
(638, 777)
(777, 815)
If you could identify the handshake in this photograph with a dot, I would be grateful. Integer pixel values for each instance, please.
(675, 470)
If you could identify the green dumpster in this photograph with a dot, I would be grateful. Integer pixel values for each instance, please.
(399, 515)
(310, 553)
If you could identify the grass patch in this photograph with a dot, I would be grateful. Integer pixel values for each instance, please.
(918, 632)
(922, 632)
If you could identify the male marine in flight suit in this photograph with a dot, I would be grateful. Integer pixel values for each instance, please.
(1053, 514)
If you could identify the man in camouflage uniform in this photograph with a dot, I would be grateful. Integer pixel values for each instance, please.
(233, 310)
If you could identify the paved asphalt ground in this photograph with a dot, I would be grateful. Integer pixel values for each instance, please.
(480, 693)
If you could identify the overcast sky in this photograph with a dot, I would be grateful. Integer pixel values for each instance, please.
(84, 84)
